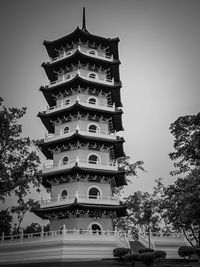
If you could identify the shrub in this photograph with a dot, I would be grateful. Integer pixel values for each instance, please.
(144, 250)
(132, 257)
(159, 254)
(119, 252)
(197, 251)
(148, 258)
(186, 251)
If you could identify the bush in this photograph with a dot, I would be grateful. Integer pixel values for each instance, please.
(132, 257)
(186, 251)
(159, 254)
(148, 258)
(145, 250)
(119, 252)
(197, 251)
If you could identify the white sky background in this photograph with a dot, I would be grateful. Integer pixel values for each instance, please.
(160, 66)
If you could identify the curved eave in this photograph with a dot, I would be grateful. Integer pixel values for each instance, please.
(78, 33)
(74, 59)
(120, 178)
(76, 168)
(77, 80)
(47, 117)
(80, 54)
(120, 209)
(117, 144)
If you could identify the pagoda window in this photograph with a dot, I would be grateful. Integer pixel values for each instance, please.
(94, 192)
(93, 159)
(66, 130)
(92, 75)
(64, 194)
(67, 102)
(93, 128)
(65, 160)
(95, 228)
(92, 100)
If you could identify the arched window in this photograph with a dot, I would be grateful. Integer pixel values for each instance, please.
(66, 130)
(92, 75)
(93, 159)
(65, 160)
(96, 229)
(92, 100)
(93, 128)
(94, 192)
(67, 102)
(64, 194)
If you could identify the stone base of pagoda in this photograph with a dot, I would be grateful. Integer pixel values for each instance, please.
(56, 246)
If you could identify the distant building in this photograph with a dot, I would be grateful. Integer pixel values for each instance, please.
(83, 115)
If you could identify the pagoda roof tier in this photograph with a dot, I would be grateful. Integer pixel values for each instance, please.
(77, 60)
(76, 168)
(80, 174)
(61, 209)
(78, 111)
(47, 146)
(75, 36)
(50, 92)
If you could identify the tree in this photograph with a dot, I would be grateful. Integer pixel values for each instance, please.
(21, 210)
(143, 211)
(18, 159)
(35, 228)
(186, 130)
(181, 206)
(5, 222)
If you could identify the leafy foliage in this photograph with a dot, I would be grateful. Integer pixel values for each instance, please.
(186, 251)
(18, 159)
(143, 211)
(130, 168)
(21, 210)
(181, 206)
(186, 130)
(5, 222)
(119, 252)
(35, 228)
(148, 258)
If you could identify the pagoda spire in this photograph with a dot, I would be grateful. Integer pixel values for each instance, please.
(84, 21)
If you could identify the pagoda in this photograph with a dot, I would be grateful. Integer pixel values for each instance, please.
(82, 118)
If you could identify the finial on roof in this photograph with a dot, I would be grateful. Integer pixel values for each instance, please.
(84, 21)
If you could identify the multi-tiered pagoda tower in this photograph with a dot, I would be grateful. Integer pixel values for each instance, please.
(83, 116)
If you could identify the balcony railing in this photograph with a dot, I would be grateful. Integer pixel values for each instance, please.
(85, 132)
(70, 103)
(83, 49)
(70, 76)
(111, 166)
(63, 234)
(107, 200)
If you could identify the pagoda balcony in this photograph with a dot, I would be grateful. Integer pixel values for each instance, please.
(84, 132)
(99, 165)
(66, 244)
(62, 106)
(86, 199)
(68, 77)
(85, 49)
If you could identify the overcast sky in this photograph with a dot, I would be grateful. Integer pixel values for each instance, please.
(160, 66)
